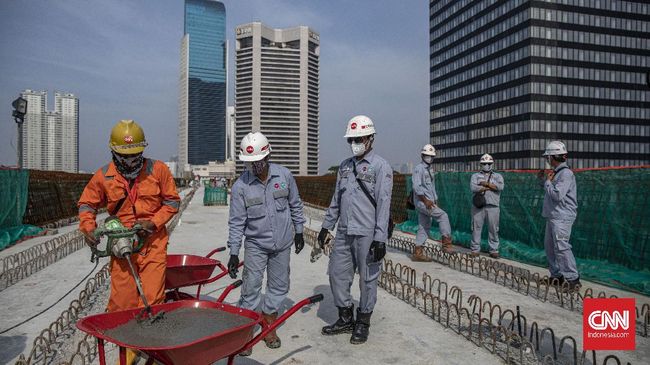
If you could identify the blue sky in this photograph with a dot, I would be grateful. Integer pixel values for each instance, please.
(121, 58)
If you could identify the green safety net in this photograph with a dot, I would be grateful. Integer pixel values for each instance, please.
(610, 237)
(13, 200)
(215, 196)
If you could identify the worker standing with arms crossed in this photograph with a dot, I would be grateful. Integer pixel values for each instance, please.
(489, 185)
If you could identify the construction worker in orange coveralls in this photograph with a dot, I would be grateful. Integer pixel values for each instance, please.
(136, 190)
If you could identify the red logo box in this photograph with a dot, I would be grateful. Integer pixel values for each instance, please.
(609, 324)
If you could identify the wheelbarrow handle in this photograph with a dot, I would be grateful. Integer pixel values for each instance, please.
(228, 289)
(266, 329)
(315, 298)
(216, 250)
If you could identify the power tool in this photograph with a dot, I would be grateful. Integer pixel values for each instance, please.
(121, 243)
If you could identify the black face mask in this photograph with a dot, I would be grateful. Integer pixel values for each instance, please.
(129, 166)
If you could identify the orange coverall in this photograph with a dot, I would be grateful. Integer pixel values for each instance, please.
(156, 200)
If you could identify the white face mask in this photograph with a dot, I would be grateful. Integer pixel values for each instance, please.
(427, 159)
(486, 168)
(358, 149)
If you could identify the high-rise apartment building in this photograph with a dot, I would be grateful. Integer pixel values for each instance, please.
(231, 141)
(50, 139)
(277, 92)
(202, 109)
(509, 76)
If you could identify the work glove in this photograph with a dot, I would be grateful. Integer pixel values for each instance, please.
(377, 251)
(147, 229)
(322, 235)
(299, 241)
(233, 264)
(90, 239)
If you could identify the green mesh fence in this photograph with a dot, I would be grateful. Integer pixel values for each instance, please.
(215, 196)
(610, 238)
(13, 200)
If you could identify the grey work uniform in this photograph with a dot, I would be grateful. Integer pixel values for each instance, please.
(359, 224)
(490, 211)
(424, 185)
(560, 210)
(267, 216)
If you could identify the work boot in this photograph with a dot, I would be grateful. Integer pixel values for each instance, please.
(272, 340)
(574, 285)
(494, 255)
(247, 352)
(419, 256)
(474, 254)
(132, 357)
(345, 323)
(446, 244)
(361, 328)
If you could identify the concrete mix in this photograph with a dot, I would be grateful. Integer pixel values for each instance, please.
(176, 328)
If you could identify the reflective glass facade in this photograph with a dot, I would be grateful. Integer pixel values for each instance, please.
(509, 76)
(205, 28)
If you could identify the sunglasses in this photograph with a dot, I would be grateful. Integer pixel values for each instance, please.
(356, 139)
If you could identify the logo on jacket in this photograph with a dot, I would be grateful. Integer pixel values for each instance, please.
(277, 186)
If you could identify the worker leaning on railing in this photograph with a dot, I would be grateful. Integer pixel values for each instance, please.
(137, 190)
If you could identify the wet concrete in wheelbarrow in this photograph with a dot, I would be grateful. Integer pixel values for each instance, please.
(176, 328)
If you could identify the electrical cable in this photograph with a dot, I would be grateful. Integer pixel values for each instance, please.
(53, 304)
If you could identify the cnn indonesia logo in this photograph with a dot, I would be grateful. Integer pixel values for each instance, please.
(607, 325)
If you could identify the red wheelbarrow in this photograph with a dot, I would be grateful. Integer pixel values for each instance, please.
(205, 350)
(189, 270)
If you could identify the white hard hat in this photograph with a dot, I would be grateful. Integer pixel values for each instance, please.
(555, 148)
(428, 150)
(486, 158)
(359, 126)
(254, 147)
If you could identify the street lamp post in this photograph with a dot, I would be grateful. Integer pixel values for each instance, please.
(20, 109)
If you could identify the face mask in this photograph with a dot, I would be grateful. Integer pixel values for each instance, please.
(129, 166)
(427, 159)
(547, 162)
(257, 168)
(486, 168)
(358, 149)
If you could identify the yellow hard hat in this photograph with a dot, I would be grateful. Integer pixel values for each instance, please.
(127, 138)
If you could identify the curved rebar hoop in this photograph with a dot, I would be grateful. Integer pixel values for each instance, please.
(575, 348)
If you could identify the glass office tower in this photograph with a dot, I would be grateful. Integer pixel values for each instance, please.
(202, 119)
(509, 76)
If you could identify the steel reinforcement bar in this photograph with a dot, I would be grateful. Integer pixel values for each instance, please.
(519, 280)
(503, 332)
(44, 348)
(25, 263)
(516, 278)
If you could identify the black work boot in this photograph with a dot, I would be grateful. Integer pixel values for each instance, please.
(574, 285)
(361, 328)
(345, 323)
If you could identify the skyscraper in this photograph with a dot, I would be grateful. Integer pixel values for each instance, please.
(50, 140)
(277, 92)
(509, 76)
(202, 109)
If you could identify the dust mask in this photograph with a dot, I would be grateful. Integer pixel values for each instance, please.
(486, 167)
(358, 149)
(257, 168)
